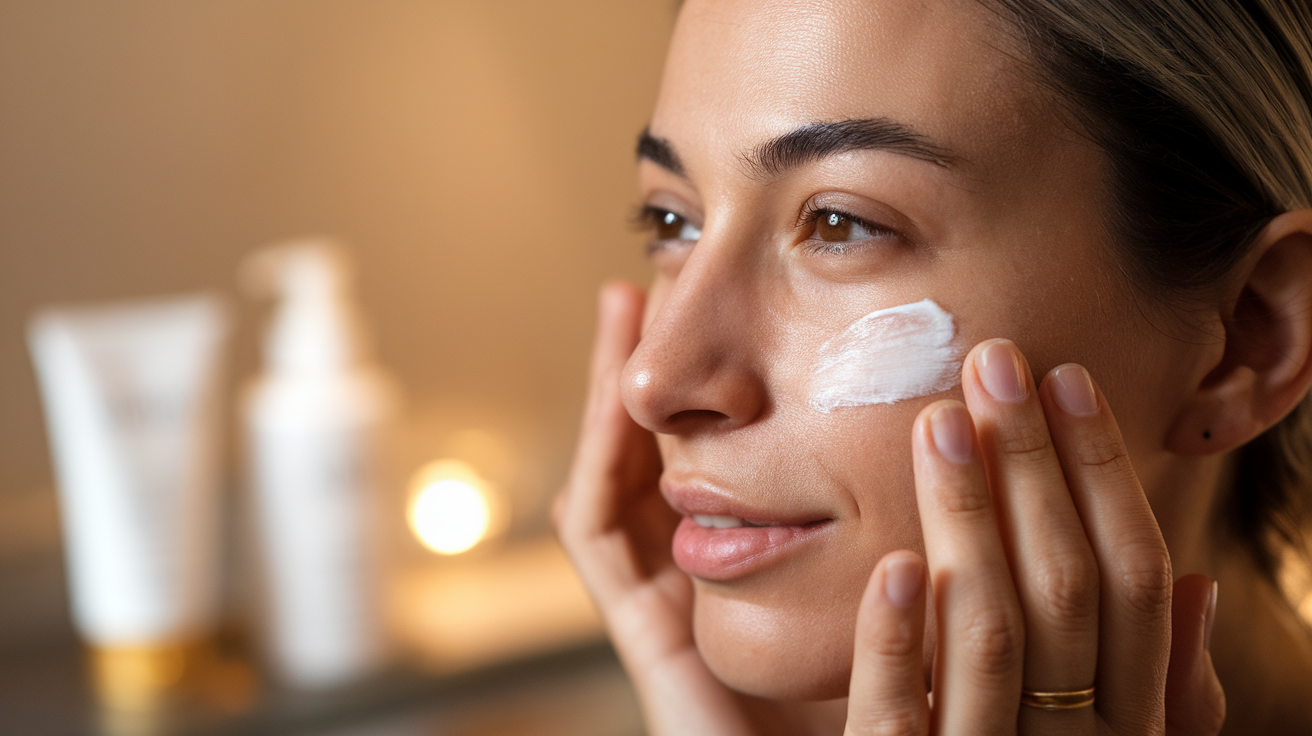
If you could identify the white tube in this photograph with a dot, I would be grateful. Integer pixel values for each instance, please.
(130, 393)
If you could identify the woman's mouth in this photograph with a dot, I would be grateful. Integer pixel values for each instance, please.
(712, 521)
(725, 545)
(717, 547)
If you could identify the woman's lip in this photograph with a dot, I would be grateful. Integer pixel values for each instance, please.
(702, 499)
(726, 554)
(733, 550)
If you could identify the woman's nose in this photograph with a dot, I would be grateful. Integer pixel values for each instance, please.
(695, 369)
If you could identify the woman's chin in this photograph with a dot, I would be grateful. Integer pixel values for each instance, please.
(785, 652)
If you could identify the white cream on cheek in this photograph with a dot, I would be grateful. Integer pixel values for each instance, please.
(889, 355)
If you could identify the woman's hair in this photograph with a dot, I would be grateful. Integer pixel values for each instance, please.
(1203, 110)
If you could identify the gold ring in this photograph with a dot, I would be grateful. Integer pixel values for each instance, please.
(1057, 701)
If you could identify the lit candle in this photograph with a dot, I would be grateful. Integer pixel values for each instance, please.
(451, 508)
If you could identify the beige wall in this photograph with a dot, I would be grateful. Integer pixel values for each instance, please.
(477, 155)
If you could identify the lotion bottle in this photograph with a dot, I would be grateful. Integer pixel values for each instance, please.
(314, 422)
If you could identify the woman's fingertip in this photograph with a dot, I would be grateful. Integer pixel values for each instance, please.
(1073, 389)
(613, 295)
(610, 298)
(904, 580)
(1002, 371)
(1209, 617)
(954, 437)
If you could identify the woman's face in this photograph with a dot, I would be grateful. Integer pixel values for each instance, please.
(954, 177)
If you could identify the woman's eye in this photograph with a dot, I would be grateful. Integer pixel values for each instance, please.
(670, 226)
(835, 227)
(834, 233)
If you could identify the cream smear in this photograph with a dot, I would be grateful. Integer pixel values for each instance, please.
(886, 356)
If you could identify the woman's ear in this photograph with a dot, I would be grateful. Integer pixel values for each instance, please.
(1266, 367)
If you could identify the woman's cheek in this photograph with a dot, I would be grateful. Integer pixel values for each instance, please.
(792, 643)
(787, 633)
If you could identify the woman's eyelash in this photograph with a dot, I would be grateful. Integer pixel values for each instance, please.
(668, 228)
(812, 214)
(647, 217)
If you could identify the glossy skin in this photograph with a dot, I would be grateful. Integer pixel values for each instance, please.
(1004, 231)
(1013, 212)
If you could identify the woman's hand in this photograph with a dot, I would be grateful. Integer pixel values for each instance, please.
(1048, 573)
(616, 527)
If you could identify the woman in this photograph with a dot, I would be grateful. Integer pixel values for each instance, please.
(1109, 200)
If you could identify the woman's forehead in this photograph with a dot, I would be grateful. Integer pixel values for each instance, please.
(742, 72)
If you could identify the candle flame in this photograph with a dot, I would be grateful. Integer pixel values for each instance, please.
(449, 509)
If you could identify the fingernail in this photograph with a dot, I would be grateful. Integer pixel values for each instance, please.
(1210, 618)
(1074, 390)
(999, 369)
(952, 433)
(903, 578)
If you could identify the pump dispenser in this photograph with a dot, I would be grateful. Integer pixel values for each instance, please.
(315, 420)
(315, 330)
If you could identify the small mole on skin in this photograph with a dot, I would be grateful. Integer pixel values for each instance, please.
(1207, 434)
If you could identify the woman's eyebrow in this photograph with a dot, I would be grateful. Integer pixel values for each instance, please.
(660, 152)
(813, 142)
(818, 140)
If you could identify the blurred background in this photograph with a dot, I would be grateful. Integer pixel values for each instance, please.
(476, 159)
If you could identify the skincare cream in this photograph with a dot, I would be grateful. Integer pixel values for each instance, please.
(887, 356)
(130, 393)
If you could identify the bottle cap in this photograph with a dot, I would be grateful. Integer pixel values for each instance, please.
(139, 679)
